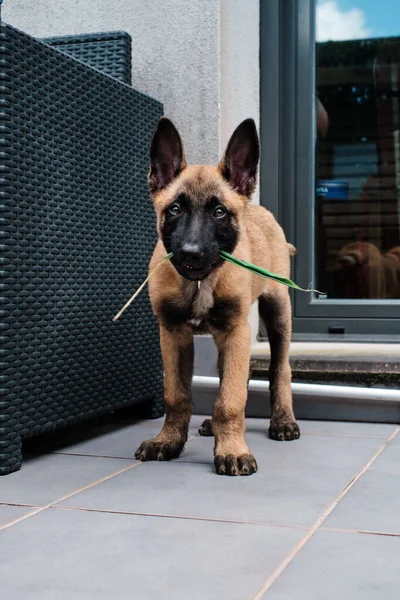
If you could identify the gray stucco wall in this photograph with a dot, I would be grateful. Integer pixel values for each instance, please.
(175, 53)
(199, 57)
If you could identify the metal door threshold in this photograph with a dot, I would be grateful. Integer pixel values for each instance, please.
(311, 401)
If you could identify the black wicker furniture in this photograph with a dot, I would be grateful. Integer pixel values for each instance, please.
(109, 52)
(77, 230)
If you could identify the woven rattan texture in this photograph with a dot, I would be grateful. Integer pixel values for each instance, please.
(110, 52)
(76, 233)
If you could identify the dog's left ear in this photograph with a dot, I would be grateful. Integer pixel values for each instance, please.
(166, 155)
(240, 161)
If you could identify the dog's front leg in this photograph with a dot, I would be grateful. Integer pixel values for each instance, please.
(231, 453)
(177, 353)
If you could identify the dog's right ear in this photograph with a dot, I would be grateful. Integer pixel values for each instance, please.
(166, 155)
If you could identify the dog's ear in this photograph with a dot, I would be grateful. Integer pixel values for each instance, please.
(240, 161)
(166, 155)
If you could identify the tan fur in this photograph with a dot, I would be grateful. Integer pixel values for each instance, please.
(261, 241)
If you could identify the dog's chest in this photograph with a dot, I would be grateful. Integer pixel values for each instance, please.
(199, 307)
(201, 303)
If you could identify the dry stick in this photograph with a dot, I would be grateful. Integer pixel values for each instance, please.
(167, 257)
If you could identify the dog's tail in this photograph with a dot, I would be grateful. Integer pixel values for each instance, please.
(292, 249)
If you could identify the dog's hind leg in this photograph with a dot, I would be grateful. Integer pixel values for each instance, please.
(276, 314)
(205, 428)
(177, 353)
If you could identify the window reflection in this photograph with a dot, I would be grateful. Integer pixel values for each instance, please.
(357, 200)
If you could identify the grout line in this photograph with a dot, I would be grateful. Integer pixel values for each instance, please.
(346, 435)
(182, 517)
(361, 531)
(82, 489)
(210, 462)
(21, 505)
(196, 435)
(300, 545)
(93, 455)
(321, 434)
(15, 521)
(194, 518)
(94, 483)
(66, 453)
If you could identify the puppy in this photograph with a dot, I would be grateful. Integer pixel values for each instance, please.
(200, 211)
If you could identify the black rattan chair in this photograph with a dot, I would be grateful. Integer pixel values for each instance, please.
(109, 52)
(77, 230)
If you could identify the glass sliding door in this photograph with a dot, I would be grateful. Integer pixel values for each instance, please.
(339, 163)
(357, 199)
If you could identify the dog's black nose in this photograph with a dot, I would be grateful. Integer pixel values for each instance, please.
(191, 251)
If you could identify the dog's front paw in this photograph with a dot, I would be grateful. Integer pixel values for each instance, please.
(284, 430)
(245, 464)
(156, 450)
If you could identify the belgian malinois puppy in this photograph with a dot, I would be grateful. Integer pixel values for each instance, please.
(200, 211)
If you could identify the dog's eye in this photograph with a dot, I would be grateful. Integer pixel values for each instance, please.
(175, 209)
(219, 212)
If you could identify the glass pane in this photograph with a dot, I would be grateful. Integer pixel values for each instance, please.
(357, 199)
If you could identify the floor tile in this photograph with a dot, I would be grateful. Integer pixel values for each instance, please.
(318, 427)
(10, 513)
(61, 440)
(346, 428)
(197, 420)
(47, 478)
(342, 566)
(371, 505)
(273, 495)
(121, 443)
(95, 556)
(117, 443)
(309, 452)
(389, 460)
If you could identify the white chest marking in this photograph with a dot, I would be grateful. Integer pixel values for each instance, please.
(202, 302)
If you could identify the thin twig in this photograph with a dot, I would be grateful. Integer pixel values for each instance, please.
(167, 257)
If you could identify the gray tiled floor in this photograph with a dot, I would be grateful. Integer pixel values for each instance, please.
(96, 524)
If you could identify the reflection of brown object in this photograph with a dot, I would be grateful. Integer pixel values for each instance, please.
(395, 253)
(322, 119)
(368, 273)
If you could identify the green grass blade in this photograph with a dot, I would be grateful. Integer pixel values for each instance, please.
(262, 272)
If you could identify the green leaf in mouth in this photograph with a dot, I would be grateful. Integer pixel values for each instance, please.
(230, 258)
(262, 272)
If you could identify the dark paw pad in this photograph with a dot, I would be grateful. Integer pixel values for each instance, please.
(206, 428)
(284, 431)
(154, 450)
(235, 465)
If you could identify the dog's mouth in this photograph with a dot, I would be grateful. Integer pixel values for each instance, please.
(194, 272)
